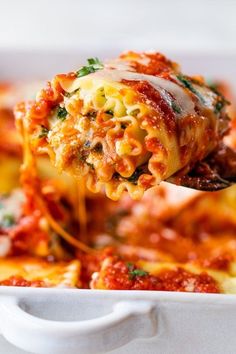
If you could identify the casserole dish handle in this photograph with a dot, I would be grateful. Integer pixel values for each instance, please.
(127, 321)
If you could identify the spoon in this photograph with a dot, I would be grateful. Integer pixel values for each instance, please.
(217, 171)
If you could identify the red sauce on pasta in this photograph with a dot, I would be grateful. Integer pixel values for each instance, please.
(118, 275)
(20, 281)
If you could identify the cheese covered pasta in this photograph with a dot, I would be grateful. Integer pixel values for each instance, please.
(125, 125)
(128, 125)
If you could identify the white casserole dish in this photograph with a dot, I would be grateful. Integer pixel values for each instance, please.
(162, 323)
(66, 321)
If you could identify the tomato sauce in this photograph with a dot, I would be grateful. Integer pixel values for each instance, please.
(20, 281)
(118, 275)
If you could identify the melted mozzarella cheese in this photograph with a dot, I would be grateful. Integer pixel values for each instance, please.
(163, 86)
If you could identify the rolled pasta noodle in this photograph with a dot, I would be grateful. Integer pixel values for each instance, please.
(127, 124)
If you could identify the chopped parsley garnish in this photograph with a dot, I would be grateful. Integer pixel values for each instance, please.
(94, 61)
(7, 220)
(94, 64)
(135, 272)
(221, 102)
(138, 273)
(218, 107)
(44, 132)
(135, 176)
(188, 84)
(130, 266)
(175, 107)
(109, 112)
(85, 70)
(62, 113)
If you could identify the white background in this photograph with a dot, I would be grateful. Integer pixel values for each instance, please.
(136, 24)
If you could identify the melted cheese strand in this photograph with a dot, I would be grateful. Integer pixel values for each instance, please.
(29, 166)
(59, 230)
(81, 207)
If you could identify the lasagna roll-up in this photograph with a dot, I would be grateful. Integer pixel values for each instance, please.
(127, 124)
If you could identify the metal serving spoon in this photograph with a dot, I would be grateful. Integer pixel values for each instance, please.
(217, 171)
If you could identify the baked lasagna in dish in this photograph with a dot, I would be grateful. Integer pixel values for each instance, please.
(121, 126)
(183, 246)
(127, 124)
